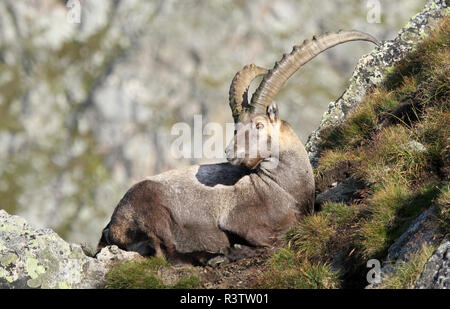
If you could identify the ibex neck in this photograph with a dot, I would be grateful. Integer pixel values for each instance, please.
(291, 171)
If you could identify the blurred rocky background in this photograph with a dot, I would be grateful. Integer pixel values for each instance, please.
(86, 109)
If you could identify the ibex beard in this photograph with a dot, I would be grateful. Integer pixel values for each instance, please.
(192, 214)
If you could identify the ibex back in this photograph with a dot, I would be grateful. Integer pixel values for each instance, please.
(194, 213)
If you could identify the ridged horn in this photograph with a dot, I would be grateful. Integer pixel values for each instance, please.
(274, 80)
(239, 89)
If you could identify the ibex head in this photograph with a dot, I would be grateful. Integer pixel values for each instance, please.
(256, 139)
(258, 127)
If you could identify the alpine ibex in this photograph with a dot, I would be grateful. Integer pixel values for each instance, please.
(196, 212)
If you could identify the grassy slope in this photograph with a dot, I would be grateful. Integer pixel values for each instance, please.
(381, 145)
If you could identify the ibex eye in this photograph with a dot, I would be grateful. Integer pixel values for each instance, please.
(259, 125)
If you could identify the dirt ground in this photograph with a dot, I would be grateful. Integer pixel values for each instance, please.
(241, 274)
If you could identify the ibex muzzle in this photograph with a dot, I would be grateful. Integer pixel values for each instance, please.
(196, 212)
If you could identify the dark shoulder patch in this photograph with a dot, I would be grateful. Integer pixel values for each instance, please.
(223, 173)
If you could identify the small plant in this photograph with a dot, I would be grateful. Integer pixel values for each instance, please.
(145, 274)
(311, 237)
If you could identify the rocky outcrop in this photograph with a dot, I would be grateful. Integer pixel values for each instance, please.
(372, 69)
(39, 258)
(436, 274)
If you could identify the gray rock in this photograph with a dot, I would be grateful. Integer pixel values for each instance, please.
(436, 274)
(373, 67)
(39, 258)
(421, 232)
(342, 192)
(220, 259)
(415, 146)
(112, 254)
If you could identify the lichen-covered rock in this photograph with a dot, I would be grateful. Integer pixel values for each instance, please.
(415, 146)
(373, 67)
(39, 258)
(436, 274)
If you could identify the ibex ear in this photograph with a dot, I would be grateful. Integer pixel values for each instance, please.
(272, 112)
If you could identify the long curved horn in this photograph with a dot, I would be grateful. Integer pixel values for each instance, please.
(239, 89)
(274, 80)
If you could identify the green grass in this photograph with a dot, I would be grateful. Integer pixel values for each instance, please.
(443, 208)
(379, 144)
(289, 271)
(311, 238)
(189, 282)
(392, 208)
(340, 214)
(331, 158)
(145, 274)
